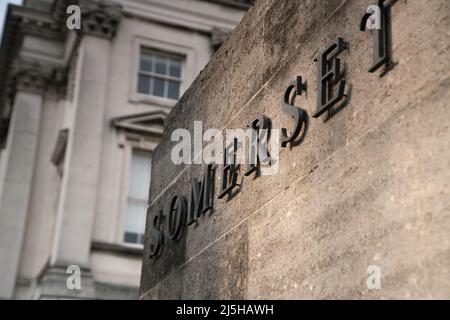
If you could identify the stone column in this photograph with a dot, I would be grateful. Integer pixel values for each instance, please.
(78, 196)
(21, 149)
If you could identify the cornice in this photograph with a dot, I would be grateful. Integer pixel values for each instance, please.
(99, 18)
(165, 13)
(38, 23)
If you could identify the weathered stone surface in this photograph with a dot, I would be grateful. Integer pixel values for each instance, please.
(368, 186)
(235, 74)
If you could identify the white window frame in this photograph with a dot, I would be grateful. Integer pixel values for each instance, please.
(129, 142)
(188, 68)
(165, 77)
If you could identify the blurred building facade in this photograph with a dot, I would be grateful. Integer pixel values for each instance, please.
(81, 112)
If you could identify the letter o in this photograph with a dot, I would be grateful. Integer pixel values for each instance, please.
(177, 217)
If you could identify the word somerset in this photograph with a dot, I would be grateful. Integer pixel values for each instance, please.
(331, 94)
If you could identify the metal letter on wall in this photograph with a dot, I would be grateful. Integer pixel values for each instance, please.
(258, 138)
(176, 217)
(158, 221)
(201, 195)
(299, 115)
(330, 75)
(377, 19)
(230, 170)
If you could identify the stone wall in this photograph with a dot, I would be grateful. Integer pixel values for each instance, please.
(369, 185)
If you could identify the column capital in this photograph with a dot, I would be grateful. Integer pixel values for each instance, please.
(100, 18)
(38, 78)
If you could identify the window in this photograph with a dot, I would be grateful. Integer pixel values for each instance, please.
(137, 197)
(160, 74)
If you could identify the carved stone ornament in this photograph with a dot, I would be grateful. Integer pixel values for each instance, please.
(38, 78)
(100, 18)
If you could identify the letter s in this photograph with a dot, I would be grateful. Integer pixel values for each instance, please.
(298, 114)
(156, 247)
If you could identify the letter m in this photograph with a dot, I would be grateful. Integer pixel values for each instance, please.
(201, 195)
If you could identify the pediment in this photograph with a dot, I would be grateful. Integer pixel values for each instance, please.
(143, 123)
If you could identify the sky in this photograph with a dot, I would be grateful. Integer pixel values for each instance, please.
(3, 7)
